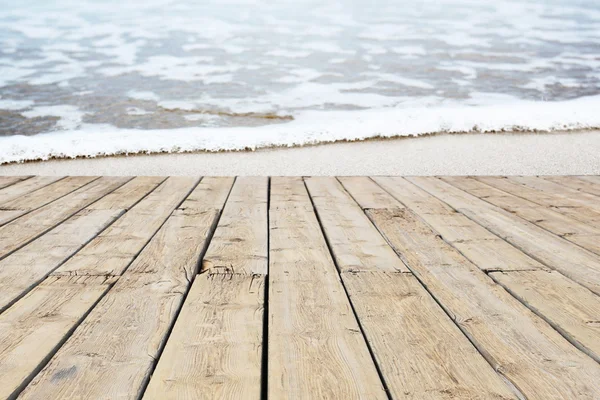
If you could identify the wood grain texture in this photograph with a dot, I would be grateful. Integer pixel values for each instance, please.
(36, 325)
(421, 353)
(215, 349)
(570, 308)
(26, 186)
(240, 242)
(366, 193)
(23, 269)
(483, 248)
(576, 183)
(113, 250)
(562, 225)
(137, 314)
(316, 349)
(355, 242)
(26, 228)
(6, 181)
(12, 209)
(129, 194)
(517, 343)
(571, 260)
(568, 206)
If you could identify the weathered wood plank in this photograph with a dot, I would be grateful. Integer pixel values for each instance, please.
(355, 242)
(575, 183)
(26, 228)
(562, 225)
(26, 186)
(128, 195)
(240, 241)
(570, 308)
(479, 245)
(557, 191)
(113, 250)
(6, 181)
(366, 193)
(215, 349)
(137, 313)
(571, 260)
(12, 209)
(23, 269)
(564, 205)
(315, 346)
(421, 353)
(39, 323)
(519, 345)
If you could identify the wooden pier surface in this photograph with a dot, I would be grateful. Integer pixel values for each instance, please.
(300, 288)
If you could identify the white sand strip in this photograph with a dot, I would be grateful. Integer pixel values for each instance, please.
(468, 154)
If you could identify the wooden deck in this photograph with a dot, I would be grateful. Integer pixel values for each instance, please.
(300, 288)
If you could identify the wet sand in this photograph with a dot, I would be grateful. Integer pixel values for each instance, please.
(571, 153)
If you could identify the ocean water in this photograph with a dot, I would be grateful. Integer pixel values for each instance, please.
(111, 77)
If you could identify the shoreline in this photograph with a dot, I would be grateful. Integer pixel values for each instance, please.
(438, 154)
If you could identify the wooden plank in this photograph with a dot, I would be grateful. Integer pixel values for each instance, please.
(6, 181)
(12, 209)
(562, 225)
(240, 241)
(215, 349)
(23, 230)
(564, 205)
(129, 194)
(483, 248)
(559, 192)
(517, 343)
(315, 346)
(137, 313)
(26, 186)
(370, 195)
(570, 308)
(23, 269)
(575, 183)
(32, 330)
(421, 353)
(571, 260)
(113, 250)
(355, 242)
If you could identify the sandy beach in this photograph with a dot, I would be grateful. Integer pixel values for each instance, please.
(572, 153)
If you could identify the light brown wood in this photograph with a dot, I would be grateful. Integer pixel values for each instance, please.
(26, 228)
(26, 186)
(562, 225)
(421, 353)
(355, 242)
(129, 194)
(519, 345)
(316, 349)
(113, 250)
(571, 260)
(371, 196)
(570, 308)
(483, 248)
(23, 269)
(559, 192)
(240, 241)
(564, 205)
(12, 209)
(36, 326)
(215, 349)
(6, 181)
(137, 314)
(581, 185)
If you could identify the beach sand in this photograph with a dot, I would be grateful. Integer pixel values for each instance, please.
(572, 153)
